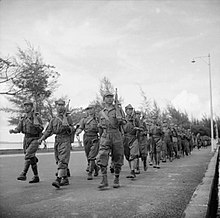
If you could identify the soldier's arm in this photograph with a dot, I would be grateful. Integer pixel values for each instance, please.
(81, 126)
(48, 132)
(18, 129)
(40, 124)
(72, 128)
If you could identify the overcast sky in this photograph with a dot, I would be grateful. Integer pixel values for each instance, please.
(135, 44)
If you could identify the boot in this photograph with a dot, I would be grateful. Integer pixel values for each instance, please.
(35, 179)
(68, 172)
(64, 181)
(137, 167)
(87, 168)
(89, 177)
(145, 163)
(104, 182)
(96, 168)
(116, 182)
(56, 183)
(34, 169)
(132, 175)
(22, 176)
(91, 169)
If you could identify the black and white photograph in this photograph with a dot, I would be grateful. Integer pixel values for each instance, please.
(109, 108)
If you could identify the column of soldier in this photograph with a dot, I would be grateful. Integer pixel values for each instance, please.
(108, 137)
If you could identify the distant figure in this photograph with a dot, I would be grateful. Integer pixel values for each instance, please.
(31, 126)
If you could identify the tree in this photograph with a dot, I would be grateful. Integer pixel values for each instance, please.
(146, 104)
(31, 79)
(178, 117)
(105, 86)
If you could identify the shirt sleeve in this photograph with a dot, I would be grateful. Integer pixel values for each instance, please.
(19, 127)
(49, 130)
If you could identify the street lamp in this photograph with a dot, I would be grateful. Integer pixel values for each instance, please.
(210, 92)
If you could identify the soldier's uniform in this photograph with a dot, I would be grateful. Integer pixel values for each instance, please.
(110, 142)
(142, 142)
(156, 134)
(175, 142)
(168, 148)
(131, 147)
(62, 146)
(31, 126)
(90, 140)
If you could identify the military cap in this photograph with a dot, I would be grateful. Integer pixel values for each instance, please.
(108, 94)
(28, 102)
(137, 112)
(89, 107)
(154, 117)
(60, 102)
(128, 107)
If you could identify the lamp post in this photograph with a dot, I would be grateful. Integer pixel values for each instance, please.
(210, 92)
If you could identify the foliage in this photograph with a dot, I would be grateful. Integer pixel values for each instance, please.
(32, 80)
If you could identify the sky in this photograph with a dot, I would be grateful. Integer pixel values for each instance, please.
(146, 45)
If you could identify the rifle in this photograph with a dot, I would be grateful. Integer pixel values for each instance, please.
(119, 112)
(65, 121)
(35, 113)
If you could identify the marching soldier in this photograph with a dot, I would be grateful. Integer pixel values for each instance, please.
(175, 141)
(31, 126)
(62, 127)
(142, 142)
(156, 133)
(110, 120)
(131, 148)
(168, 148)
(90, 139)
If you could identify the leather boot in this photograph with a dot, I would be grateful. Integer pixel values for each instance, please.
(104, 182)
(64, 181)
(68, 172)
(91, 169)
(132, 175)
(56, 183)
(22, 176)
(35, 179)
(116, 182)
(89, 176)
(145, 163)
(96, 168)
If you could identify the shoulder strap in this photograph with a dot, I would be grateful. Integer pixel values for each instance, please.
(105, 116)
(89, 120)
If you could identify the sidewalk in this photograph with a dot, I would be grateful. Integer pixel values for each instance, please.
(204, 201)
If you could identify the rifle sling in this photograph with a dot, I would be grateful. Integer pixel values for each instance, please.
(106, 117)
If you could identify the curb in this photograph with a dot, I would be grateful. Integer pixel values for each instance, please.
(203, 203)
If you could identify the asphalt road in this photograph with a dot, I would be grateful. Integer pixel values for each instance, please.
(156, 193)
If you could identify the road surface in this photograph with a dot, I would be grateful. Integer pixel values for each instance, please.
(155, 193)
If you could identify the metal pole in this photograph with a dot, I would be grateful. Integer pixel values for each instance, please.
(211, 109)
